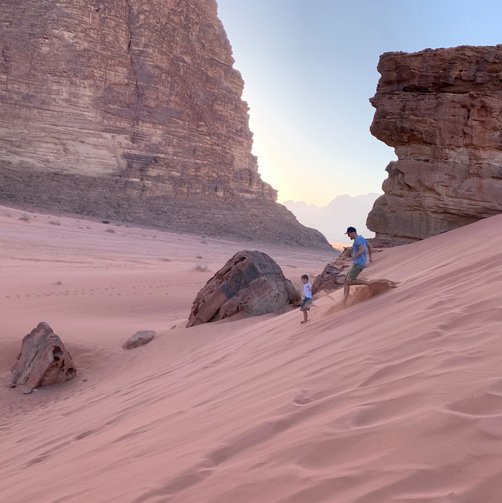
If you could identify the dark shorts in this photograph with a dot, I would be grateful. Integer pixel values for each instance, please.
(355, 271)
(305, 305)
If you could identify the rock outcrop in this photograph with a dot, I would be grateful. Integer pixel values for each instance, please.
(43, 360)
(250, 283)
(132, 110)
(333, 275)
(442, 111)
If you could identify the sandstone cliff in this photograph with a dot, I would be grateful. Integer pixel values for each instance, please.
(131, 109)
(442, 111)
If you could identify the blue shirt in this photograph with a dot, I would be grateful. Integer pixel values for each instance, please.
(358, 242)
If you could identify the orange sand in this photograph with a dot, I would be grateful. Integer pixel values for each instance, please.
(394, 399)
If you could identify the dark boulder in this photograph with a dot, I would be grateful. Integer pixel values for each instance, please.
(250, 283)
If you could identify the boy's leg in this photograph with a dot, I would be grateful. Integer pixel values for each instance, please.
(305, 307)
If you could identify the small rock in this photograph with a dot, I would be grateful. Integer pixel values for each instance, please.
(139, 339)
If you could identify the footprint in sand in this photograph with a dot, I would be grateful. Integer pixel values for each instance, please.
(36, 460)
(385, 411)
(303, 398)
(492, 426)
(485, 410)
(80, 436)
(482, 405)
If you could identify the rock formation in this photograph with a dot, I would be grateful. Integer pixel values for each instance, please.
(140, 338)
(442, 111)
(43, 360)
(250, 283)
(132, 110)
(333, 275)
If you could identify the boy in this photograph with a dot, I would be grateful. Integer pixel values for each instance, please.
(307, 301)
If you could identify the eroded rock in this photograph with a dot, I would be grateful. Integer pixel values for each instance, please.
(250, 283)
(441, 110)
(43, 360)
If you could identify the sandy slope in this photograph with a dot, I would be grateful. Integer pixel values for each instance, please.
(394, 399)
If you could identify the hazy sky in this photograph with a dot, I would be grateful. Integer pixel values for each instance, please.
(309, 68)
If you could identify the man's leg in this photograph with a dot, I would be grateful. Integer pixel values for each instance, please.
(350, 279)
(346, 289)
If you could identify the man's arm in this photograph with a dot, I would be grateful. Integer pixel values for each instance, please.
(359, 252)
(362, 247)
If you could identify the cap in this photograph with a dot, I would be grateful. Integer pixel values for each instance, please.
(350, 229)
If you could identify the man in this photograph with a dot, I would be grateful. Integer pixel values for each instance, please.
(361, 253)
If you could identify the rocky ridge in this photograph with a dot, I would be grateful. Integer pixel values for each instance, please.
(442, 112)
(132, 110)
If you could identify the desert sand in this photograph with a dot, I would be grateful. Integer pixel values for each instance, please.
(395, 398)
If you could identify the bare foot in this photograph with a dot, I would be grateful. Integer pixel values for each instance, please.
(302, 322)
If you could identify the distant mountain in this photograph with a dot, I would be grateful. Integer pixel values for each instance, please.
(333, 220)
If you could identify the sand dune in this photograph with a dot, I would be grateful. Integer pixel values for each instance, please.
(397, 398)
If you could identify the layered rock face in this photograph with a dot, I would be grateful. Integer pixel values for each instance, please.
(131, 109)
(442, 111)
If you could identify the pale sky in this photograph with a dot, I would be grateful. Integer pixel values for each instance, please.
(309, 68)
